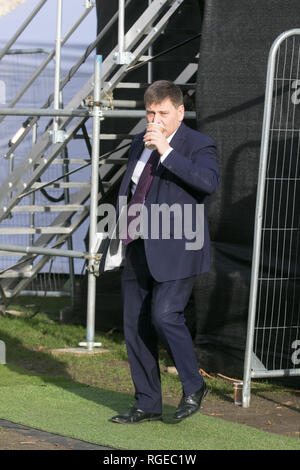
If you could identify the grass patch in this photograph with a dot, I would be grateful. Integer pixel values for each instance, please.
(68, 408)
(76, 396)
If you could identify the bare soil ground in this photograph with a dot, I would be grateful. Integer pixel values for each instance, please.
(272, 412)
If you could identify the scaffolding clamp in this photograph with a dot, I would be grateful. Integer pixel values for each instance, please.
(58, 136)
(89, 4)
(123, 57)
(94, 264)
(93, 106)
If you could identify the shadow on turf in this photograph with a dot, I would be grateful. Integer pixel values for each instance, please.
(31, 362)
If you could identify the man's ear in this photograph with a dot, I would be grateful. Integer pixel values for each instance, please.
(181, 112)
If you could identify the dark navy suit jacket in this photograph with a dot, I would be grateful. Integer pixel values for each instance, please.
(186, 177)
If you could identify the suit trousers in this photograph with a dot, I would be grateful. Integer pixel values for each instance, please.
(154, 311)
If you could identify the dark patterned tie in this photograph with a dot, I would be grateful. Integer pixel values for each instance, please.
(141, 190)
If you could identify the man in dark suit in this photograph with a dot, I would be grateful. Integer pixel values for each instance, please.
(163, 257)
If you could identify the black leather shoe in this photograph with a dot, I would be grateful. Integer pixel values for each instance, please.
(190, 404)
(135, 416)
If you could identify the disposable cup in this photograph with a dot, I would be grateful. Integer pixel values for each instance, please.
(238, 393)
(157, 126)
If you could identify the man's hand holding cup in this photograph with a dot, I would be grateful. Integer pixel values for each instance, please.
(155, 138)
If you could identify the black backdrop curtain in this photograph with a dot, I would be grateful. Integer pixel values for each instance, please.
(236, 39)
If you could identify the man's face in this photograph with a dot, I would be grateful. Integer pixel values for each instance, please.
(165, 113)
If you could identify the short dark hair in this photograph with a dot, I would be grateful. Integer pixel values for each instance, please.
(162, 89)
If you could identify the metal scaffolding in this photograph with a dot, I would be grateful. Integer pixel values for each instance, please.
(90, 102)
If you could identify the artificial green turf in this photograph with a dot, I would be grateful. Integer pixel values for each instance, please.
(58, 405)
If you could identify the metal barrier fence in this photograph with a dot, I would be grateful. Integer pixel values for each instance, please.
(273, 333)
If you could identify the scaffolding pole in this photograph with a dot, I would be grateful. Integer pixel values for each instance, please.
(43, 251)
(106, 113)
(57, 71)
(92, 269)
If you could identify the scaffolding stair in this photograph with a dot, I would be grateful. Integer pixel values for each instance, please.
(25, 177)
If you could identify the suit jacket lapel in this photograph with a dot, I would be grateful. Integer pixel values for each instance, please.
(177, 141)
(176, 144)
(138, 148)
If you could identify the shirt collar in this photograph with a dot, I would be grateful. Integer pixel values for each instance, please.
(172, 135)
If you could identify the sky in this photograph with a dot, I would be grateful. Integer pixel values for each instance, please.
(42, 29)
